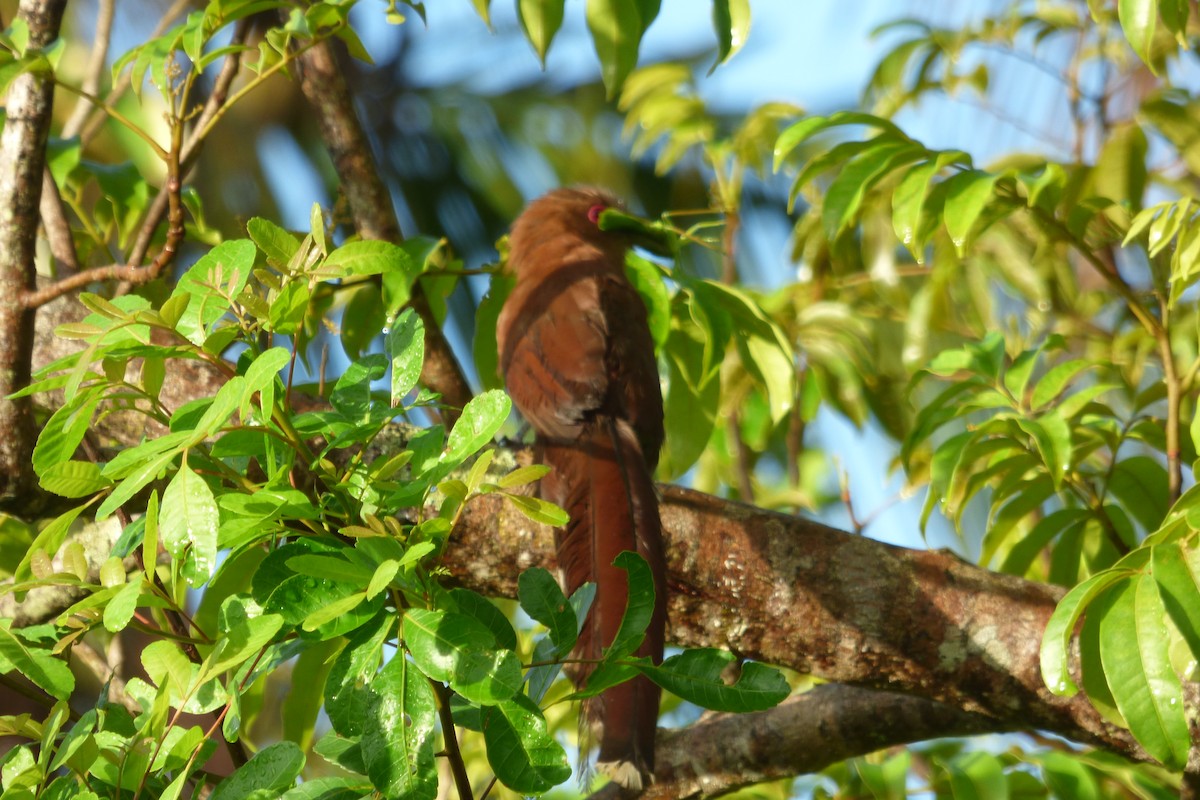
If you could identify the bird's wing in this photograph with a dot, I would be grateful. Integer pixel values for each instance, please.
(556, 355)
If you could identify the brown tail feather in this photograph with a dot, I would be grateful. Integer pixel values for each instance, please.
(604, 483)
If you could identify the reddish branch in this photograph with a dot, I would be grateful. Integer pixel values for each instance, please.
(323, 83)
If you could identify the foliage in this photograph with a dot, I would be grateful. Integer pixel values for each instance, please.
(316, 549)
(1024, 330)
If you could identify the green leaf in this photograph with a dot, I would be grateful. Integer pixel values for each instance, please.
(1138, 20)
(639, 607)
(1065, 776)
(1052, 436)
(616, 27)
(288, 308)
(1056, 639)
(459, 650)
(487, 314)
(48, 673)
(120, 608)
(335, 610)
(977, 775)
(405, 344)
(273, 768)
(242, 635)
(846, 193)
(731, 20)
(523, 476)
(74, 479)
(189, 521)
(398, 744)
(803, 130)
(544, 601)
(277, 245)
(354, 667)
(1175, 567)
(647, 279)
(64, 431)
(136, 480)
(330, 567)
(967, 193)
(695, 675)
(521, 750)
(539, 510)
(1056, 379)
(371, 257)
(261, 376)
(481, 418)
(541, 19)
(482, 8)
(212, 282)
(765, 350)
(485, 611)
(1133, 649)
(1140, 483)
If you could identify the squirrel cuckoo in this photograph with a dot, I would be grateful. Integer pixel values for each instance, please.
(578, 360)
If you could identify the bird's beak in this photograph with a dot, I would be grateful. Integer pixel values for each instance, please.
(650, 235)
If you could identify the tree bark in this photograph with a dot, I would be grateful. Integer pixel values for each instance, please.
(22, 159)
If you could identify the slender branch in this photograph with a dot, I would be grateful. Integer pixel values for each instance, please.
(458, 767)
(95, 68)
(1174, 398)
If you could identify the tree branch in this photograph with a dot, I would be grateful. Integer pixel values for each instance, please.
(325, 86)
(852, 610)
(22, 159)
(806, 733)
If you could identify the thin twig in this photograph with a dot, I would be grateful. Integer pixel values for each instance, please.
(461, 780)
(1174, 397)
(94, 69)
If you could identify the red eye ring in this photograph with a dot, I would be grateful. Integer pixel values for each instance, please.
(594, 213)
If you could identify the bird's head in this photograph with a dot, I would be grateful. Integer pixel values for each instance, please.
(584, 216)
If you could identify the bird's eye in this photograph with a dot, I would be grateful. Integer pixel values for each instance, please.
(594, 213)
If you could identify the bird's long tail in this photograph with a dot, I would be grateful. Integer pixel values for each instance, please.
(603, 482)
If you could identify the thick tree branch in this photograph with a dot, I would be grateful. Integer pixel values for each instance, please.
(793, 592)
(806, 733)
(325, 86)
(22, 159)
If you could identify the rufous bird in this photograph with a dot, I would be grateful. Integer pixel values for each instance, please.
(578, 360)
